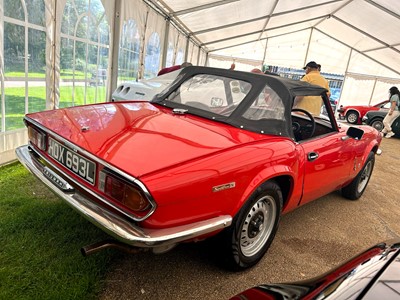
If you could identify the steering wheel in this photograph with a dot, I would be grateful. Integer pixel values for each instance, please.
(303, 132)
(227, 110)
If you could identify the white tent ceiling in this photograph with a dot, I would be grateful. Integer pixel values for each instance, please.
(357, 36)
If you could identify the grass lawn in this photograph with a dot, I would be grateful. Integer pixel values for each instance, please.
(64, 74)
(15, 101)
(40, 237)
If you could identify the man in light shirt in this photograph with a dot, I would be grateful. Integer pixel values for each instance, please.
(312, 104)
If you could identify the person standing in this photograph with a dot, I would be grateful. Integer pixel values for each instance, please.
(393, 112)
(312, 104)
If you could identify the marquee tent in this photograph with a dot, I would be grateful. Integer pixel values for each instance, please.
(56, 53)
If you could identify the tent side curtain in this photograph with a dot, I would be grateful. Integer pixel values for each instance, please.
(360, 89)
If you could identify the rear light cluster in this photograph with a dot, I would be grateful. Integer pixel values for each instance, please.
(123, 192)
(37, 138)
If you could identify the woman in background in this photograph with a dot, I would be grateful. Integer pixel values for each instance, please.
(393, 112)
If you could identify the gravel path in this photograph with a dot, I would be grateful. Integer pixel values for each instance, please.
(310, 240)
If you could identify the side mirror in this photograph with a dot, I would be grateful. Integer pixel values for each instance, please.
(355, 133)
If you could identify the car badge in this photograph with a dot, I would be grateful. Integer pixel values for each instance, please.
(222, 187)
(85, 128)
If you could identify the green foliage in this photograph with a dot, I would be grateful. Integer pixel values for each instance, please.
(80, 64)
(41, 237)
(15, 101)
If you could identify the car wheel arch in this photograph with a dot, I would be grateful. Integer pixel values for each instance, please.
(373, 147)
(284, 181)
(350, 110)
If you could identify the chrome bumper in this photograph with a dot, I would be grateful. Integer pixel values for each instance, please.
(119, 227)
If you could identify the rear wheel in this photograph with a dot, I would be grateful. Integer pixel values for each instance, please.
(356, 188)
(253, 228)
(352, 117)
(377, 124)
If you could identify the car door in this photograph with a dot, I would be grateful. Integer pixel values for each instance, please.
(396, 126)
(328, 160)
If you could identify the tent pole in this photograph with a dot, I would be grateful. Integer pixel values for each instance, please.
(115, 48)
(373, 91)
(308, 46)
(165, 45)
(265, 52)
(186, 49)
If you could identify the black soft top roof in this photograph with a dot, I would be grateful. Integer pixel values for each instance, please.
(281, 85)
(287, 89)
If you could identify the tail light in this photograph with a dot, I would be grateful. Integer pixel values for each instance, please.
(37, 138)
(123, 192)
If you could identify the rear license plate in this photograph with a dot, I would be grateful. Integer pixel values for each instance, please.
(75, 162)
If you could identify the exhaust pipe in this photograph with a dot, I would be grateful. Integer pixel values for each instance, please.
(96, 247)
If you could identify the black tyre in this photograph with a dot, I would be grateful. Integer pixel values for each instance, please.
(377, 124)
(352, 117)
(357, 186)
(253, 228)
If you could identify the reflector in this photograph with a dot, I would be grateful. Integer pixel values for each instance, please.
(37, 138)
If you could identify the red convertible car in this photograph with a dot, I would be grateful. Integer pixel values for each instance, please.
(371, 274)
(217, 152)
(354, 113)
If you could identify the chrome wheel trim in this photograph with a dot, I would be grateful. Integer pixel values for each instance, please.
(378, 125)
(352, 118)
(258, 225)
(366, 173)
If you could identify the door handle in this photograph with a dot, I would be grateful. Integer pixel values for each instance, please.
(312, 156)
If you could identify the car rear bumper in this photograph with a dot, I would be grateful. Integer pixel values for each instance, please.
(118, 226)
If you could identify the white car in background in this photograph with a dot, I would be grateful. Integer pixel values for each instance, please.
(144, 89)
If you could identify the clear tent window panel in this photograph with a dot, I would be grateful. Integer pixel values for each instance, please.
(14, 50)
(14, 9)
(129, 52)
(37, 68)
(24, 61)
(83, 27)
(14, 68)
(81, 6)
(36, 10)
(84, 42)
(179, 57)
(69, 19)
(37, 53)
(153, 56)
(170, 55)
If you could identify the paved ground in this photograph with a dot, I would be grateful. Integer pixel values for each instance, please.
(310, 241)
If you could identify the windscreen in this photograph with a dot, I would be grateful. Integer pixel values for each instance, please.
(268, 105)
(217, 94)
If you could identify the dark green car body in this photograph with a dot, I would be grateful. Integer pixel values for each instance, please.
(375, 118)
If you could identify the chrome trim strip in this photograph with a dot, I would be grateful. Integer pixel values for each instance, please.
(117, 226)
(101, 162)
(57, 180)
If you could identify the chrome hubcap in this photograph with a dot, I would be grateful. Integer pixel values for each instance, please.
(378, 125)
(352, 118)
(258, 225)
